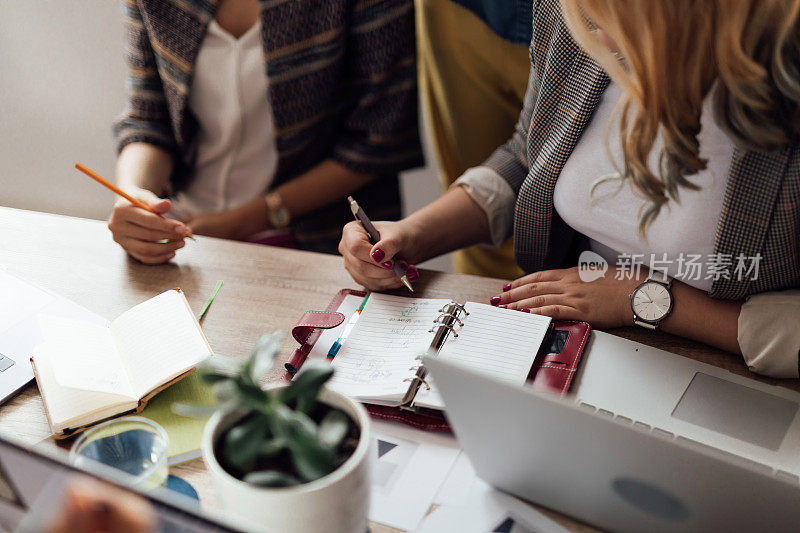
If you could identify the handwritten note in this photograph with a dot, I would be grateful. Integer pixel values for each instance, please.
(381, 351)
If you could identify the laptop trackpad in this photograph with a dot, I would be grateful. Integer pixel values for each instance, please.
(736, 410)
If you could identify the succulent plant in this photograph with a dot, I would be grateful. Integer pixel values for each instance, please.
(284, 436)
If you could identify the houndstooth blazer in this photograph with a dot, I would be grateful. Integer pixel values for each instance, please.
(761, 208)
(342, 83)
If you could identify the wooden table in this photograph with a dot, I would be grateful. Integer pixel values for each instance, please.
(265, 289)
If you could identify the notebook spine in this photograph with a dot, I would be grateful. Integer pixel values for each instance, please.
(450, 321)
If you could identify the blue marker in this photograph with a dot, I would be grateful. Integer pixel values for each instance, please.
(347, 329)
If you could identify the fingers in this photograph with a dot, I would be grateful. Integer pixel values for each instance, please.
(147, 237)
(150, 253)
(127, 213)
(512, 297)
(361, 262)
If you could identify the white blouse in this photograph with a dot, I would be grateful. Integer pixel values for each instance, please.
(610, 217)
(236, 156)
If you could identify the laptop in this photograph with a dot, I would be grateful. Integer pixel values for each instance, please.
(33, 481)
(646, 441)
(20, 306)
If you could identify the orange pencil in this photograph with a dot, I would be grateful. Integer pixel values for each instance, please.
(105, 183)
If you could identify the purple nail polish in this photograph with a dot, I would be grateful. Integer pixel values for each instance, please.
(412, 273)
(378, 255)
(495, 300)
(387, 265)
(525, 310)
(506, 287)
(503, 306)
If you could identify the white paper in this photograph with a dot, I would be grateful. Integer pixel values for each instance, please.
(407, 476)
(470, 505)
(83, 356)
(495, 342)
(381, 351)
(158, 340)
(500, 343)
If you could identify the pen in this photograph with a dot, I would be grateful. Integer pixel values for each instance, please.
(347, 329)
(361, 216)
(113, 188)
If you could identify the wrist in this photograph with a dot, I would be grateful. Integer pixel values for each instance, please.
(626, 288)
(250, 219)
(412, 240)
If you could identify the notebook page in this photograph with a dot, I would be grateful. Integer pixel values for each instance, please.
(501, 343)
(85, 357)
(158, 340)
(68, 407)
(391, 332)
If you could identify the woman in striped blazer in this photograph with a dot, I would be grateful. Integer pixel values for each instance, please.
(695, 184)
(257, 118)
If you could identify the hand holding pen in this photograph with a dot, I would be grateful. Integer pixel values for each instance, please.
(376, 279)
(138, 223)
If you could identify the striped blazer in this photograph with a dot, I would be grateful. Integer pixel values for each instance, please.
(342, 77)
(761, 207)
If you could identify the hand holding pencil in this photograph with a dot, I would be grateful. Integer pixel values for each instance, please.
(139, 226)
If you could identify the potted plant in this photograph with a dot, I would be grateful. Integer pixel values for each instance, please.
(291, 457)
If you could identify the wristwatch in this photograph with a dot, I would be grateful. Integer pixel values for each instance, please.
(651, 301)
(279, 216)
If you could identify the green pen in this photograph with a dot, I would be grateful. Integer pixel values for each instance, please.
(347, 329)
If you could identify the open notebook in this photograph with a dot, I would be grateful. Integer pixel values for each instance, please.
(381, 355)
(87, 372)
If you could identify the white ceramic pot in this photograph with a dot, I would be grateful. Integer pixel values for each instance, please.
(336, 503)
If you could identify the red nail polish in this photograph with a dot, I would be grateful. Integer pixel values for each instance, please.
(506, 287)
(495, 300)
(413, 274)
(525, 310)
(378, 255)
(387, 265)
(503, 306)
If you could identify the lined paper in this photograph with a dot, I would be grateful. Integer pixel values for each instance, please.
(382, 349)
(172, 344)
(500, 343)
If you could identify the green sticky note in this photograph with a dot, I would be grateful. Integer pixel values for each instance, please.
(184, 432)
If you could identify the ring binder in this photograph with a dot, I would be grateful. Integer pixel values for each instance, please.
(444, 324)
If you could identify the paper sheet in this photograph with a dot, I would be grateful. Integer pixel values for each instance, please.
(468, 504)
(382, 348)
(408, 468)
(83, 356)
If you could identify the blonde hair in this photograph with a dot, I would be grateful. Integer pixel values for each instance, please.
(670, 55)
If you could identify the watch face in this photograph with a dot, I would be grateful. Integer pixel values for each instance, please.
(651, 301)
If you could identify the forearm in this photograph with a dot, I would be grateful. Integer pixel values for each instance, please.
(449, 223)
(144, 166)
(697, 316)
(322, 185)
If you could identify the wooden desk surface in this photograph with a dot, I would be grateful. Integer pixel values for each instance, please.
(265, 289)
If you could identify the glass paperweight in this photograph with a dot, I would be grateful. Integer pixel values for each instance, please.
(135, 445)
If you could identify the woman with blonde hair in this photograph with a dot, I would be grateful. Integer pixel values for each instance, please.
(659, 138)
